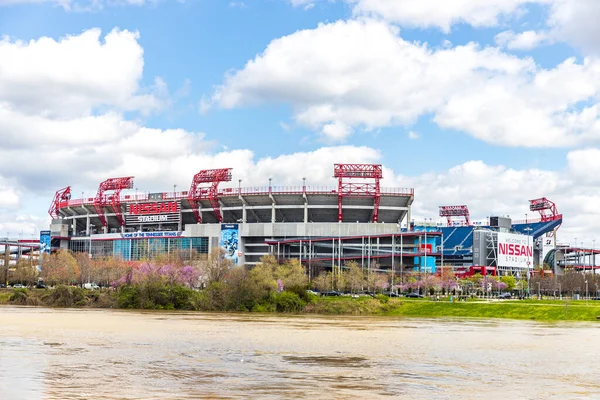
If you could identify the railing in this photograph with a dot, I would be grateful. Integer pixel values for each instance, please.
(244, 191)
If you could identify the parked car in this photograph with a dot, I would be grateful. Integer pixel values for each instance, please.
(504, 296)
(414, 295)
(92, 286)
(331, 293)
(313, 292)
(391, 294)
(40, 285)
(18, 286)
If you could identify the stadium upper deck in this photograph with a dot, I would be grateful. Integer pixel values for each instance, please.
(246, 204)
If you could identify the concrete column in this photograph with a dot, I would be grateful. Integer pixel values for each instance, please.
(305, 213)
(408, 216)
(273, 213)
(244, 213)
(87, 225)
(74, 226)
(122, 228)
(105, 229)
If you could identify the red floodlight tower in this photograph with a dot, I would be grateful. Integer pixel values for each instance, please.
(362, 189)
(455, 211)
(114, 199)
(206, 186)
(546, 208)
(548, 211)
(61, 195)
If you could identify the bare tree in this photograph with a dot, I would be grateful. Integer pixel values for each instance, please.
(215, 268)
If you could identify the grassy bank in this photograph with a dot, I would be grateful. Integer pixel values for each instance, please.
(546, 310)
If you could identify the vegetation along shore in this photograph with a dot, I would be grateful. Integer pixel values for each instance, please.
(211, 283)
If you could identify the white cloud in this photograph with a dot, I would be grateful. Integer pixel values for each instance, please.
(351, 74)
(74, 75)
(80, 5)
(576, 22)
(307, 4)
(501, 190)
(521, 41)
(413, 135)
(442, 14)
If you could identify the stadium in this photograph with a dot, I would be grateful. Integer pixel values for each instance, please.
(357, 220)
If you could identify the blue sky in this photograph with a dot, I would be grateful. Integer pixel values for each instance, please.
(461, 97)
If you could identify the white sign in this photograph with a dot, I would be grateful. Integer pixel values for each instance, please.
(135, 235)
(515, 250)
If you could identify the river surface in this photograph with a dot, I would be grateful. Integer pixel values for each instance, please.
(110, 354)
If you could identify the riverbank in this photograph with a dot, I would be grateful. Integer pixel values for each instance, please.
(545, 310)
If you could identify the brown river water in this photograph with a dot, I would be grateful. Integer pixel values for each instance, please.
(110, 354)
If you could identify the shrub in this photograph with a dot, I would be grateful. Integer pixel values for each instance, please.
(61, 296)
(382, 298)
(19, 296)
(181, 297)
(128, 297)
(79, 297)
(264, 308)
(289, 302)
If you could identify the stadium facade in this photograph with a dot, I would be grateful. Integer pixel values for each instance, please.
(321, 226)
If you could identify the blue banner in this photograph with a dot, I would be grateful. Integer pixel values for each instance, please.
(45, 242)
(229, 241)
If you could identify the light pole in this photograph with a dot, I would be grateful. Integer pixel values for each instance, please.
(528, 230)
(239, 186)
(586, 292)
(174, 189)
(559, 291)
(539, 297)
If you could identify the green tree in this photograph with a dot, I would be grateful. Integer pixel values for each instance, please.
(263, 279)
(293, 276)
(510, 281)
(355, 278)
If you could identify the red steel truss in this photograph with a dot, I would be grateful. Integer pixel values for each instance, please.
(546, 208)
(113, 199)
(363, 189)
(455, 211)
(61, 195)
(205, 186)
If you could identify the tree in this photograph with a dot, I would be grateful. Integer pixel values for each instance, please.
(293, 276)
(25, 272)
(60, 267)
(215, 268)
(355, 278)
(323, 282)
(510, 281)
(85, 266)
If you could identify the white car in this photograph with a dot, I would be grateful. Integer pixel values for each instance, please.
(18, 286)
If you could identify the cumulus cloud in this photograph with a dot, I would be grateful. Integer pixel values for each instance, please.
(576, 22)
(74, 75)
(351, 74)
(571, 21)
(442, 14)
(521, 41)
